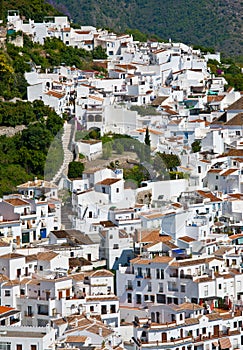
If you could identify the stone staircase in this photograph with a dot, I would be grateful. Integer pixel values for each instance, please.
(68, 155)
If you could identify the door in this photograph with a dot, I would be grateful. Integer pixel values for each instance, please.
(164, 337)
(216, 330)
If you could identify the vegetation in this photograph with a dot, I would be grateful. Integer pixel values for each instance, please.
(182, 20)
(75, 170)
(196, 146)
(24, 155)
(228, 69)
(34, 9)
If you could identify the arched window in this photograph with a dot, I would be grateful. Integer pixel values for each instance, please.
(98, 118)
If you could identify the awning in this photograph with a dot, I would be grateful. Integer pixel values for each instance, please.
(224, 343)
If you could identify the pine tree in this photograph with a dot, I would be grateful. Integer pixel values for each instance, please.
(147, 138)
(147, 147)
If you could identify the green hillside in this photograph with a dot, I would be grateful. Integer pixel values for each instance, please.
(215, 23)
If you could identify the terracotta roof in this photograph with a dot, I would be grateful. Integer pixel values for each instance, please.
(12, 256)
(187, 239)
(177, 205)
(237, 105)
(31, 257)
(216, 98)
(96, 98)
(209, 195)
(236, 120)
(225, 343)
(55, 94)
(78, 277)
(154, 235)
(239, 235)
(190, 262)
(216, 171)
(102, 273)
(102, 298)
(46, 256)
(16, 202)
(234, 153)
(191, 321)
(4, 309)
(159, 100)
(156, 259)
(162, 259)
(107, 223)
(108, 182)
(78, 262)
(75, 339)
(236, 195)
(37, 183)
(229, 172)
(187, 306)
(203, 280)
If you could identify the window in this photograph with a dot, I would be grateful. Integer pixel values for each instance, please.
(160, 274)
(140, 272)
(149, 287)
(5, 346)
(7, 293)
(205, 291)
(117, 190)
(41, 268)
(115, 246)
(91, 308)
(18, 347)
(129, 297)
(220, 286)
(161, 298)
(181, 317)
(217, 177)
(33, 347)
(148, 273)
(138, 283)
(183, 288)
(138, 298)
(161, 287)
(103, 310)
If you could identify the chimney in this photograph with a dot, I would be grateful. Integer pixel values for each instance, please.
(100, 331)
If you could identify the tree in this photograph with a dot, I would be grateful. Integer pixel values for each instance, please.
(196, 146)
(107, 150)
(75, 169)
(119, 148)
(99, 53)
(147, 143)
(147, 137)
